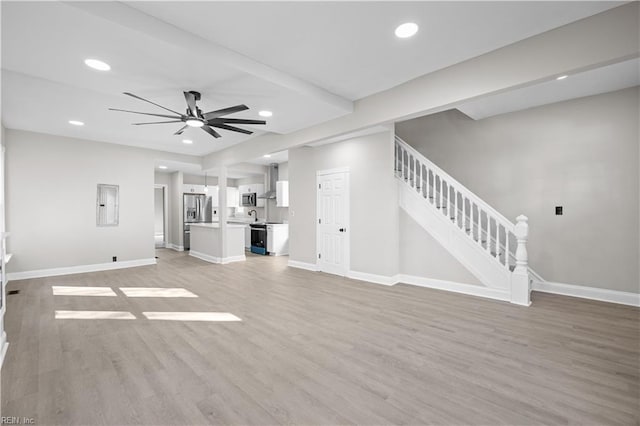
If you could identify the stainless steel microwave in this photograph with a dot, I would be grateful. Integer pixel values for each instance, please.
(248, 199)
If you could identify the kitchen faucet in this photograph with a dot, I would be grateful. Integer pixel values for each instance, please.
(249, 213)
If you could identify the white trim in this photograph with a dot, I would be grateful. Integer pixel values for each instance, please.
(592, 293)
(332, 171)
(218, 260)
(4, 346)
(469, 289)
(165, 211)
(303, 265)
(175, 247)
(80, 269)
(373, 278)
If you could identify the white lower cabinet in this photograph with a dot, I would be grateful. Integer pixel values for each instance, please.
(247, 237)
(278, 239)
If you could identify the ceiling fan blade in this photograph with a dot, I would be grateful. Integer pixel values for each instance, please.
(152, 103)
(236, 121)
(147, 113)
(179, 132)
(157, 122)
(210, 131)
(233, 129)
(220, 112)
(191, 103)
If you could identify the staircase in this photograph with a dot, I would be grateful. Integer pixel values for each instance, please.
(491, 247)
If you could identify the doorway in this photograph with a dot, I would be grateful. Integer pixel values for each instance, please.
(332, 236)
(160, 216)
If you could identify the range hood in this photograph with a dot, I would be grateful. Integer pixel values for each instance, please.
(272, 175)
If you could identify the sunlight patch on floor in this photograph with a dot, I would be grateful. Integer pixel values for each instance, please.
(192, 316)
(62, 290)
(94, 315)
(156, 292)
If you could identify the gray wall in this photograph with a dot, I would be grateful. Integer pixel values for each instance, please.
(422, 256)
(373, 201)
(581, 154)
(51, 201)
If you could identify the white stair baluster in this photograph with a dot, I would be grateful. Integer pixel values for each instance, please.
(456, 217)
(440, 192)
(488, 234)
(464, 213)
(506, 248)
(418, 177)
(497, 244)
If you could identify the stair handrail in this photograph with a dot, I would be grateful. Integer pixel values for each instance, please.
(458, 186)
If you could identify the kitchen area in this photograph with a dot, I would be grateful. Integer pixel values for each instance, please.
(256, 216)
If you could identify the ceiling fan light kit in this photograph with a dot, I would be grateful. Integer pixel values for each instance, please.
(195, 118)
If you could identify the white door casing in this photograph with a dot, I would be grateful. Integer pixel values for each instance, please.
(332, 236)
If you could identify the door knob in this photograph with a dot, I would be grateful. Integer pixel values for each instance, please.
(342, 229)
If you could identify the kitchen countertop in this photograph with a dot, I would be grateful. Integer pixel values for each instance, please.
(215, 225)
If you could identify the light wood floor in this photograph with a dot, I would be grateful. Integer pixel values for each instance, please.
(314, 349)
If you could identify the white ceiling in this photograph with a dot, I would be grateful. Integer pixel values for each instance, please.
(305, 61)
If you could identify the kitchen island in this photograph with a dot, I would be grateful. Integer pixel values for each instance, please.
(205, 242)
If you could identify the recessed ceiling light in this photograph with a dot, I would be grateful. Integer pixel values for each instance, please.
(562, 77)
(162, 167)
(194, 122)
(265, 113)
(187, 141)
(97, 64)
(406, 30)
(76, 122)
(267, 156)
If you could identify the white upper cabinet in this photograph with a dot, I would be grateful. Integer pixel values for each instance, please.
(194, 189)
(233, 197)
(257, 188)
(282, 193)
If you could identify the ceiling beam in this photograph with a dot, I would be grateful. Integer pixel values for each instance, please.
(132, 18)
(603, 39)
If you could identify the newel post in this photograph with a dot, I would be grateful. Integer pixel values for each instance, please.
(520, 284)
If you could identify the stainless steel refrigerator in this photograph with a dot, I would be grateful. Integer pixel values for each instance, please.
(197, 209)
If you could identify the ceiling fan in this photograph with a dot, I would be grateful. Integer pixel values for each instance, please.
(195, 118)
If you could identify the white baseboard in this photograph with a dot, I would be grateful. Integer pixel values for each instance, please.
(219, 260)
(80, 269)
(470, 289)
(593, 293)
(373, 278)
(303, 265)
(175, 247)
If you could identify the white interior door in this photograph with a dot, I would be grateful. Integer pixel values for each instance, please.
(333, 222)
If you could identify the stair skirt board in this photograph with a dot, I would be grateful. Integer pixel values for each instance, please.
(80, 269)
(473, 257)
(591, 293)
